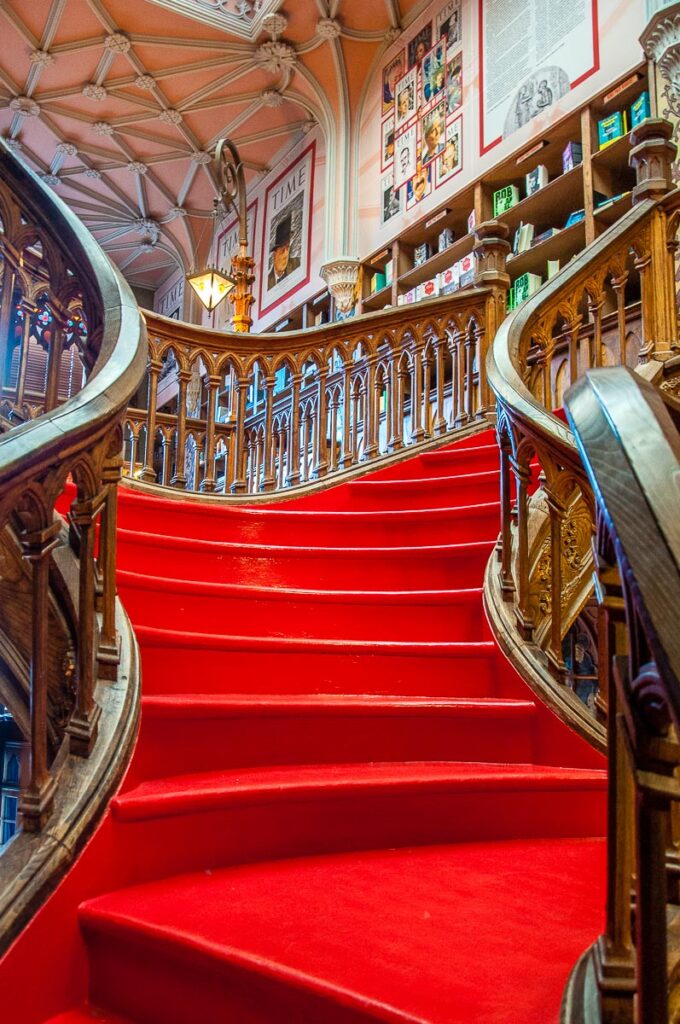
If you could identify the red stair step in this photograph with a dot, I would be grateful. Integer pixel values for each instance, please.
(205, 732)
(203, 821)
(411, 567)
(412, 935)
(462, 521)
(172, 659)
(284, 611)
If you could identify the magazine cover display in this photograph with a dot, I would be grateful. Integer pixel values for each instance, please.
(421, 130)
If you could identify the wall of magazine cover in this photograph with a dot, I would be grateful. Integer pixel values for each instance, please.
(469, 83)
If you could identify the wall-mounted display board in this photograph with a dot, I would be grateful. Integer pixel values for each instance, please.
(421, 127)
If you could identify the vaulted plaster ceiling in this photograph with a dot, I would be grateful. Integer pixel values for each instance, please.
(119, 103)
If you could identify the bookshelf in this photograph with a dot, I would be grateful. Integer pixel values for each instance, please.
(599, 185)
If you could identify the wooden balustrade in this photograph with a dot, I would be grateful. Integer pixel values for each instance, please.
(615, 303)
(262, 413)
(58, 641)
(631, 451)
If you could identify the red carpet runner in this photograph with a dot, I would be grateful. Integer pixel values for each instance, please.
(344, 806)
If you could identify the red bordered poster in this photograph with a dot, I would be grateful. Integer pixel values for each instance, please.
(287, 231)
(530, 56)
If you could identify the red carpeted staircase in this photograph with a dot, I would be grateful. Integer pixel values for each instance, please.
(344, 805)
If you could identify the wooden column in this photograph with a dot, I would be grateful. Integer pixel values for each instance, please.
(37, 800)
(83, 727)
(23, 354)
(54, 365)
(148, 472)
(208, 481)
(108, 650)
(505, 551)
(321, 456)
(556, 512)
(179, 479)
(522, 610)
(346, 456)
(6, 309)
(371, 412)
(417, 432)
(241, 390)
(294, 438)
(396, 440)
(269, 482)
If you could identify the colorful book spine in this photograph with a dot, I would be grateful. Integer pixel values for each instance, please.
(536, 179)
(640, 109)
(504, 199)
(572, 156)
(612, 128)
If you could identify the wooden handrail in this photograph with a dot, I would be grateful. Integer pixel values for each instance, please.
(540, 582)
(345, 393)
(46, 252)
(631, 452)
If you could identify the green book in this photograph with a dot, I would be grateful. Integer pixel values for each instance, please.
(505, 199)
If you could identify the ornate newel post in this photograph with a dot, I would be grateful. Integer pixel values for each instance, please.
(343, 277)
(652, 156)
(491, 250)
(661, 43)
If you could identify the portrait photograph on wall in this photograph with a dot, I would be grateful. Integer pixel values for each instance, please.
(387, 143)
(447, 24)
(391, 205)
(419, 45)
(391, 75)
(406, 98)
(286, 232)
(450, 161)
(405, 156)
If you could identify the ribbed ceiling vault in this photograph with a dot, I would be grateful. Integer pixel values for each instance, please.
(119, 104)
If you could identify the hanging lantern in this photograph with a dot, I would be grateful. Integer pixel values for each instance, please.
(211, 285)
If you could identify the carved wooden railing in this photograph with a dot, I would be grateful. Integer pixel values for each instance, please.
(631, 452)
(242, 414)
(59, 623)
(540, 582)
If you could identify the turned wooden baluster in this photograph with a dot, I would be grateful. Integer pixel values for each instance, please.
(294, 433)
(470, 349)
(556, 511)
(148, 473)
(440, 424)
(417, 431)
(241, 391)
(108, 653)
(208, 482)
(38, 798)
(333, 415)
(83, 727)
(321, 440)
(504, 548)
(54, 359)
(6, 310)
(595, 307)
(614, 953)
(459, 371)
(29, 311)
(166, 447)
(179, 478)
(371, 410)
(522, 472)
(428, 416)
(269, 481)
(395, 439)
(346, 457)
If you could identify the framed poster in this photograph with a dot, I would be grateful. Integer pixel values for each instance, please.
(405, 156)
(543, 51)
(419, 186)
(387, 148)
(454, 82)
(447, 24)
(391, 199)
(433, 74)
(287, 231)
(432, 132)
(407, 98)
(391, 75)
(419, 45)
(450, 162)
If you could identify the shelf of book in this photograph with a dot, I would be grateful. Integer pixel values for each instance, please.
(561, 246)
(614, 209)
(379, 299)
(580, 179)
(436, 263)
